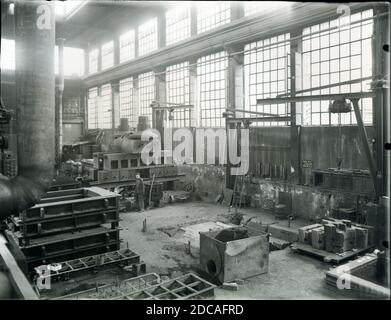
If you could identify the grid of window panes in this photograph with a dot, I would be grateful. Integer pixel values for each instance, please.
(252, 7)
(147, 37)
(127, 46)
(146, 89)
(104, 107)
(108, 55)
(92, 105)
(212, 14)
(126, 102)
(93, 61)
(177, 24)
(178, 91)
(266, 75)
(211, 72)
(336, 51)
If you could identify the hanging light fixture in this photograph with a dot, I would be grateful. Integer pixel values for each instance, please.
(340, 106)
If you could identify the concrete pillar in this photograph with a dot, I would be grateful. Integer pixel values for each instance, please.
(114, 105)
(159, 118)
(237, 10)
(99, 58)
(381, 106)
(193, 92)
(193, 19)
(234, 95)
(136, 42)
(35, 85)
(161, 30)
(234, 76)
(136, 99)
(116, 50)
(295, 173)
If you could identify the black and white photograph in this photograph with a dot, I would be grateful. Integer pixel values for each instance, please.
(215, 152)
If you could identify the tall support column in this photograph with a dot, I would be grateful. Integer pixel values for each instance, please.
(35, 87)
(381, 101)
(193, 92)
(237, 10)
(161, 30)
(59, 102)
(86, 60)
(295, 150)
(114, 105)
(136, 42)
(158, 118)
(234, 96)
(116, 50)
(99, 58)
(136, 100)
(193, 18)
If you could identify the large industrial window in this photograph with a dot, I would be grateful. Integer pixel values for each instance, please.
(266, 75)
(177, 24)
(108, 55)
(334, 52)
(252, 7)
(178, 91)
(104, 107)
(7, 54)
(93, 61)
(127, 46)
(92, 105)
(73, 61)
(211, 72)
(146, 83)
(126, 103)
(212, 14)
(147, 37)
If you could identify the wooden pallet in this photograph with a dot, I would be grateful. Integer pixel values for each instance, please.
(326, 256)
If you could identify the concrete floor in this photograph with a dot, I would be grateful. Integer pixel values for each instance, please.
(290, 276)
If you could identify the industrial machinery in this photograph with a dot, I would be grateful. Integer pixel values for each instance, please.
(65, 225)
(118, 165)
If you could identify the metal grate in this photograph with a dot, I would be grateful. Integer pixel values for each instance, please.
(115, 291)
(188, 286)
(178, 91)
(124, 256)
(211, 74)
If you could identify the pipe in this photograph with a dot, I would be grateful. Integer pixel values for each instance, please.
(35, 94)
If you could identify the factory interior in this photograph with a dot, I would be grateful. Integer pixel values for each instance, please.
(182, 150)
